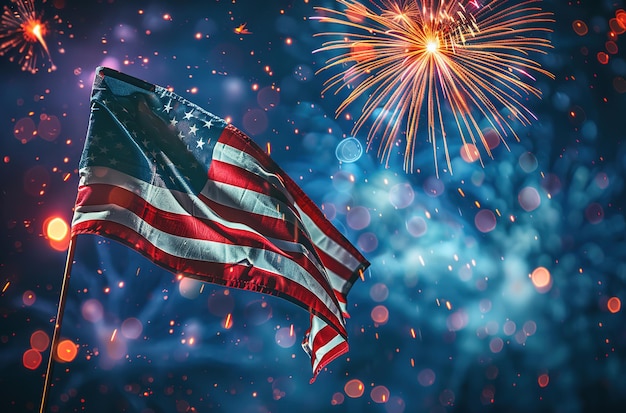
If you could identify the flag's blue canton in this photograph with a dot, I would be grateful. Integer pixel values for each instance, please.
(155, 136)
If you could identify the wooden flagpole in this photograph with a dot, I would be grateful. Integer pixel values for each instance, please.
(57, 323)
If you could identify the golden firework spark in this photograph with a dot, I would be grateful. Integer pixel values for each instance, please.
(450, 60)
(22, 33)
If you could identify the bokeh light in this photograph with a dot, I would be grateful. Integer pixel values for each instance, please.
(343, 181)
(255, 122)
(190, 288)
(56, 228)
(416, 226)
(92, 310)
(349, 150)
(338, 398)
(580, 27)
(594, 213)
(401, 195)
(49, 127)
(491, 138)
(528, 162)
(469, 152)
(31, 359)
(529, 198)
(379, 394)
(379, 292)
(285, 337)
(354, 388)
(541, 279)
(614, 305)
(29, 298)
(58, 233)
(426, 377)
(39, 340)
(433, 187)
(496, 345)
(543, 380)
(24, 130)
(132, 328)
(367, 242)
(268, 98)
(66, 351)
(485, 220)
(358, 218)
(380, 314)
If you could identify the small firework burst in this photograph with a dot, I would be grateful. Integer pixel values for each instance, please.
(418, 63)
(23, 35)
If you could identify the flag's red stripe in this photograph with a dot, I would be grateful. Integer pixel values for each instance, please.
(231, 275)
(281, 229)
(235, 138)
(235, 175)
(337, 267)
(266, 225)
(329, 356)
(278, 228)
(189, 226)
(322, 337)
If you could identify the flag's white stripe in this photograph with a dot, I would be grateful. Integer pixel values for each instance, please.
(236, 157)
(203, 250)
(326, 348)
(337, 282)
(328, 245)
(343, 307)
(237, 197)
(198, 249)
(233, 156)
(317, 354)
(168, 200)
(316, 325)
(181, 203)
(254, 202)
(257, 203)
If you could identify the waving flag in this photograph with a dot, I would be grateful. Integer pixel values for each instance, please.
(200, 198)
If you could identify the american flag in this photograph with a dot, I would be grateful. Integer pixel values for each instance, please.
(200, 198)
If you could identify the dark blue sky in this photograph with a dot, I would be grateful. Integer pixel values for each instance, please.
(468, 328)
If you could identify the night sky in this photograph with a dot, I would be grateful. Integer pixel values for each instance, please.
(494, 289)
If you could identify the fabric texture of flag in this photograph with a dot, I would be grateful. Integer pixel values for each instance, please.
(200, 198)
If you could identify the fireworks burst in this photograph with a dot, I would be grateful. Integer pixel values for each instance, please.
(456, 60)
(23, 32)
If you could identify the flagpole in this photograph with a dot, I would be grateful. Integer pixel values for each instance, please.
(57, 323)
